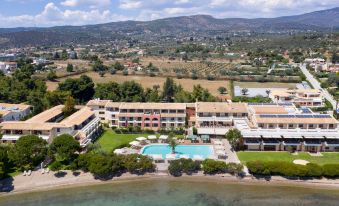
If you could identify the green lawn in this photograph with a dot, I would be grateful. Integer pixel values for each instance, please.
(110, 140)
(327, 158)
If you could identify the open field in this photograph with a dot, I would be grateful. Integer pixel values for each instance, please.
(149, 82)
(265, 85)
(327, 158)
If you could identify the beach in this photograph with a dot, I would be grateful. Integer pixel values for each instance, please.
(44, 182)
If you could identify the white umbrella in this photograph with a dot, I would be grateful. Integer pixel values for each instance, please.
(198, 158)
(141, 138)
(184, 156)
(152, 137)
(135, 143)
(170, 156)
(119, 151)
(163, 137)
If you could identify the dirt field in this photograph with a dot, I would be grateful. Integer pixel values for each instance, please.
(265, 85)
(149, 82)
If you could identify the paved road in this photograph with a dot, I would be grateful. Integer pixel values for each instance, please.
(317, 85)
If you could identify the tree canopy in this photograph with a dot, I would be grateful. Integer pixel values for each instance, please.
(63, 148)
(28, 151)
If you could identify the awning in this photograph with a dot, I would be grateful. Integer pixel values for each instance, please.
(252, 142)
(205, 137)
(271, 142)
(192, 137)
(312, 143)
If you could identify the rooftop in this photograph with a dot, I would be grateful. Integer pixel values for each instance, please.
(221, 107)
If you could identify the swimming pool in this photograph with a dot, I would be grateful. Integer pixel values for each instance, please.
(204, 150)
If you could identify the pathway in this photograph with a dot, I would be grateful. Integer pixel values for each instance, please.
(316, 85)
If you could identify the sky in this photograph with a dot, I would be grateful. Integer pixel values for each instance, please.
(45, 13)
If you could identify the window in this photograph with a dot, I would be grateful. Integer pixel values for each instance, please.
(101, 107)
(301, 126)
(101, 112)
(281, 126)
(58, 130)
(261, 125)
(311, 126)
(331, 126)
(290, 126)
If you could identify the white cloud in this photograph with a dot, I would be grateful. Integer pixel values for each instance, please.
(53, 15)
(91, 3)
(130, 4)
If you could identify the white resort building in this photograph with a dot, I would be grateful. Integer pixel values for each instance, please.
(83, 125)
(13, 112)
(270, 126)
(300, 97)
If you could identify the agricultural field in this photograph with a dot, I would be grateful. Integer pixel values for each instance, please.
(149, 82)
(201, 68)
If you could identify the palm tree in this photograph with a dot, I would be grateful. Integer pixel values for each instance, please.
(173, 143)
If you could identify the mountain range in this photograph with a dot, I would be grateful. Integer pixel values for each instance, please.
(321, 21)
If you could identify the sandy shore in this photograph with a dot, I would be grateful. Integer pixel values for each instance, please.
(42, 182)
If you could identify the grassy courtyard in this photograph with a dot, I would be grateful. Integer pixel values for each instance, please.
(327, 158)
(110, 140)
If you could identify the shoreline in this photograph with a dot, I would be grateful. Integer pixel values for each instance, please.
(86, 179)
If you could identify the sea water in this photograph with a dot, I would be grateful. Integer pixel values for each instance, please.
(178, 192)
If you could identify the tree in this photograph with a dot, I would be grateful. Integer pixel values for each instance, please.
(82, 89)
(169, 89)
(28, 151)
(64, 54)
(234, 137)
(51, 76)
(69, 68)
(63, 148)
(69, 107)
(222, 90)
(118, 66)
(244, 91)
(172, 142)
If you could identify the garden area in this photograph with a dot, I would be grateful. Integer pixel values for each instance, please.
(326, 158)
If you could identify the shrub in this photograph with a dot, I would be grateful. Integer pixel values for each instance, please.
(214, 167)
(55, 166)
(138, 164)
(331, 170)
(175, 168)
(314, 170)
(188, 166)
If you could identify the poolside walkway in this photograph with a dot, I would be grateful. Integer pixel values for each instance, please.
(231, 154)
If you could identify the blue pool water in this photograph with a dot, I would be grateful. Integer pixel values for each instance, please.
(204, 150)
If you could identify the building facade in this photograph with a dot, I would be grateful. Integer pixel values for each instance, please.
(83, 125)
(13, 112)
(270, 126)
(300, 97)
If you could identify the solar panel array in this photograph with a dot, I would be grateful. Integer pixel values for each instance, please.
(268, 104)
(302, 116)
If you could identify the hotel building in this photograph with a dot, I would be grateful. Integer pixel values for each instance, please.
(83, 125)
(300, 97)
(13, 112)
(152, 116)
(271, 126)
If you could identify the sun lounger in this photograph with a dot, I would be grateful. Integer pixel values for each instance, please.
(29, 172)
(25, 173)
(42, 171)
(47, 170)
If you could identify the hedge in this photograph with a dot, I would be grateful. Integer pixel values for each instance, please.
(292, 170)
